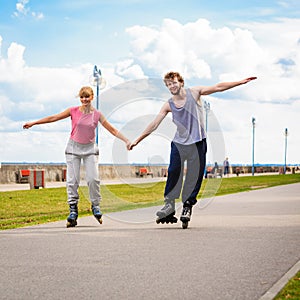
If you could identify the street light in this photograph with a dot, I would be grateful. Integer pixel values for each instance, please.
(253, 133)
(100, 84)
(207, 109)
(285, 149)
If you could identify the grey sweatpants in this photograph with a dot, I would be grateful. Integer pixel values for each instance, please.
(89, 154)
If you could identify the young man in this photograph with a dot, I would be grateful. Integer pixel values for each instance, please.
(189, 143)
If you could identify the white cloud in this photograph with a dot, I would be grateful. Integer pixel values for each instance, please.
(12, 67)
(280, 43)
(38, 15)
(205, 55)
(195, 49)
(200, 51)
(27, 92)
(267, 50)
(128, 70)
(22, 9)
(31, 146)
(235, 118)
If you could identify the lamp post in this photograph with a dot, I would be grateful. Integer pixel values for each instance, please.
(97, 81)
(207, 109)
(285, 149)
(253, 133)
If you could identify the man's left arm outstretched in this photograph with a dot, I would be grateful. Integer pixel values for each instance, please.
(220, 87)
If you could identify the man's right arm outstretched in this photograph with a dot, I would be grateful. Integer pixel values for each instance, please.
(153, 125)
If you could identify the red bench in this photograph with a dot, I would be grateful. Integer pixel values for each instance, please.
(22, 176)
(143, 172)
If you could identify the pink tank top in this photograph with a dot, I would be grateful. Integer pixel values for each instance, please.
(84, 125)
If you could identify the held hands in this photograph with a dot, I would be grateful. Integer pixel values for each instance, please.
(128, 144)
(132, 145)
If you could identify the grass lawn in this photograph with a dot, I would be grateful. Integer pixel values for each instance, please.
(23, 208)
(292, 289)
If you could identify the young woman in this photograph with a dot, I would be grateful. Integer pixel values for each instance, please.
(82, 146)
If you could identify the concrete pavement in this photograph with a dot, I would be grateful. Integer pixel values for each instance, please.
(237, 247)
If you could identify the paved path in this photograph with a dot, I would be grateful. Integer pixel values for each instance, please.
(237, 247)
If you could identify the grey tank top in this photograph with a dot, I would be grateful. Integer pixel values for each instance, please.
(189, 121)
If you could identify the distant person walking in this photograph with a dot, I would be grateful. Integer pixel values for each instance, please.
(215, 169)
(189, 143)
(82, 146)
(226, 166)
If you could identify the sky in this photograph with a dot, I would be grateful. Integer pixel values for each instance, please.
(48, 50)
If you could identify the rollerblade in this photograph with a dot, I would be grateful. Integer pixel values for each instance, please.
(72, 218)
(167, 213)
(97, 213)
(186, 214)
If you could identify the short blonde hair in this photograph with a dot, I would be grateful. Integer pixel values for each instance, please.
(86, 91)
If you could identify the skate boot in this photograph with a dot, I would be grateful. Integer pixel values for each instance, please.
(97, 213)
(167, 213)
(186, 214)
(72, 218)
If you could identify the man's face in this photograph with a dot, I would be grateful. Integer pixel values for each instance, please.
(174, 86)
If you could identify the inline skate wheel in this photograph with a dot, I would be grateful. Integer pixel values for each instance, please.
(185, 225)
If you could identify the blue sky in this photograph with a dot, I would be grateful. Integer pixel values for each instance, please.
(95, 30)
(48, 49)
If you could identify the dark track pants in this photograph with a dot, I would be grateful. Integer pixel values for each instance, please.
(195, 157)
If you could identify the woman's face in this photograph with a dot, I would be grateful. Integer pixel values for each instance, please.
(86, 100)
